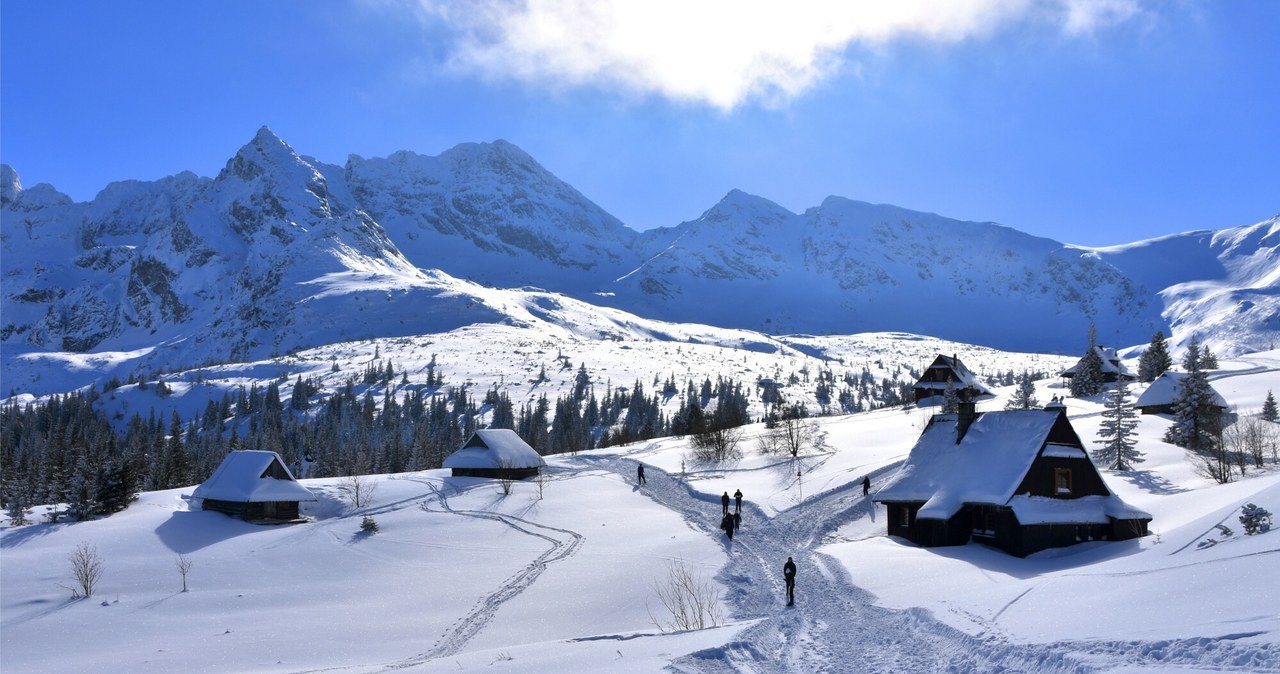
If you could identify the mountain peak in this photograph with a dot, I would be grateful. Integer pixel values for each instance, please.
(266, 153)
(742, 206)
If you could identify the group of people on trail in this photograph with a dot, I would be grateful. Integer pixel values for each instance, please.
(730, 521)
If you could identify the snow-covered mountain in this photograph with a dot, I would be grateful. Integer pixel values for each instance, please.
(1221, 287)
(281, 252)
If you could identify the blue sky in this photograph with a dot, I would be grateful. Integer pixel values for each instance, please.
(1089, 121)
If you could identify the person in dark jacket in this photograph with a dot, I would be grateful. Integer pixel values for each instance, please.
(724, 503)
(639, 473)
(737, 501)
(737, 521)
(726, 523)
(866, 484)
(789, 575)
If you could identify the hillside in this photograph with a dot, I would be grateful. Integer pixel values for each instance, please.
(463, 578)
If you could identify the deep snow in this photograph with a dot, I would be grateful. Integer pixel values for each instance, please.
(464, 578)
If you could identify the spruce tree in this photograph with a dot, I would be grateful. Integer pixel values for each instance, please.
(1269, 411)
(1156, 360)
(1087, 379)
(1118, 451)
(1024, 397)
(1197, 422)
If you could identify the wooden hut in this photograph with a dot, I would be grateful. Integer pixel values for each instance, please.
(255, 486)
(1018, 480)
(1161, 394)
(496, 453)
(948, 371)
(1112, 368)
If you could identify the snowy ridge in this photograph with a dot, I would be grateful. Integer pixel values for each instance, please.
(281, 252)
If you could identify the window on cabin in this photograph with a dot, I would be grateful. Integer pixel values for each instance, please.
(1062, 480)
(984, 521)
(904, 519)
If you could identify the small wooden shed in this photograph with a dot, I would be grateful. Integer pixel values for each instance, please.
(255, 486)
(496, 453)
(1018, 480)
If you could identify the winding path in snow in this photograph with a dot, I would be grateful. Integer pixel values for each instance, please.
(834, 626)
(563, 544)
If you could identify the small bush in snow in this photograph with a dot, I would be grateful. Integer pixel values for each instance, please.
(369, 525)
(1255, 520)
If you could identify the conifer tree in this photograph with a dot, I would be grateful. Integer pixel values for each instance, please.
(1156, 360)
(1024, 397)
(1197, 423)
(1269, 410)
(1118, 451)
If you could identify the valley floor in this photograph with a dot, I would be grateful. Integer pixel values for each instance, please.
(561, 576)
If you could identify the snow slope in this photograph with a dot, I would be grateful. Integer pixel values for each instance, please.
(558, 578)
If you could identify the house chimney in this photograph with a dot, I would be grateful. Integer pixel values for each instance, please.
(967, 412)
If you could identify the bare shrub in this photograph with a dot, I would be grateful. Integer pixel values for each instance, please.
(718, 446)
(357, 490)
(1249, 439)
(693, 601)
(86, 569)
(183, 563)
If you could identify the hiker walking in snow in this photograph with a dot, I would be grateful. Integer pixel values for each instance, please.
(866, 485)
(724, 503)
(639, 473)
(737, 521)
(789, 575)
(726, 523)
(737, 500)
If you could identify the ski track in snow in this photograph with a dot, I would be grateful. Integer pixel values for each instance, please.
(564, 544)
(834, 627)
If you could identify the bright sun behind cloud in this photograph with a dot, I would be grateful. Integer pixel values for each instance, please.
(719, 52)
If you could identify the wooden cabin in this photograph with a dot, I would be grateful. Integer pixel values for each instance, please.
(948, 371)
(1017, 480)
(1112, 368)
(496, 453)
(1161, 394)
(254, 486)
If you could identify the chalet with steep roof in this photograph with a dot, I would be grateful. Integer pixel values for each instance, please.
(497, 453)
(1018, 480)
(948, 371)
(1112, 368)
(1161, 394)
(255, 486)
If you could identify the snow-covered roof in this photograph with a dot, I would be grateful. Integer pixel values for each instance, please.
(494, 448)
(985, 467)
(1111, 363)
(965, 377)
(250, 477)
(1084, 510)
(1164, 390)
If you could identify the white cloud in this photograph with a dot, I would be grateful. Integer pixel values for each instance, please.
(719, 52)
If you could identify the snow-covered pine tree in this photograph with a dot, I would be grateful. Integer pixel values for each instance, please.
(1119, 420)
(950, 399)
(1269, 410)
(1197, 423)
(1156, 360)
(1087, 379)
(1208, 361)
(1024, 397)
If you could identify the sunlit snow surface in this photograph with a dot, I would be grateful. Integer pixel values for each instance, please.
(558, 577)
